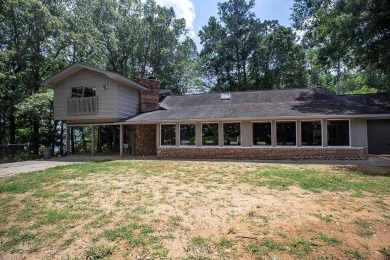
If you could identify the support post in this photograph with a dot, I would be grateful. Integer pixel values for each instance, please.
(68, 152)
(121, 140)
(93, 140)
(99, 139)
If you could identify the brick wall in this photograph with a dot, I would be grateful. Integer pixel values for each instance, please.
(355, 153)
(149, 98)
(145, 139)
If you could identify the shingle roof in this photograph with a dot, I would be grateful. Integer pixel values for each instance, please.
(293, 103)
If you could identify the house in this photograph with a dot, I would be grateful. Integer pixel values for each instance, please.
(275, 124)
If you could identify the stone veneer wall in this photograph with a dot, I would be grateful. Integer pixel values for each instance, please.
(145, 139)
(353, 153)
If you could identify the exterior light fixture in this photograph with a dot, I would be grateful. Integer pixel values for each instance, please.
(105, 87)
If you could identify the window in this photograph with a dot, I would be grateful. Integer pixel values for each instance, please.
(261, 133)
(187, 134)
(286, 133)
(89, 91)
(311, 133)
(338, 133)
(168, 134)
(231, 134)
(210, 134)
(79, 92)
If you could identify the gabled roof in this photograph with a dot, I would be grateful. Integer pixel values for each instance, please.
(51, 82)
(251, 105)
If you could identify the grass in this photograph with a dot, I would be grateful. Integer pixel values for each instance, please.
(330, 240)
(142, 209)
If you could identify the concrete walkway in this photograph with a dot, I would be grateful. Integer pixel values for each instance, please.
(9, 169)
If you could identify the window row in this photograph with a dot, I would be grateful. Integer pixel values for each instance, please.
(286, 134)
(83, 92)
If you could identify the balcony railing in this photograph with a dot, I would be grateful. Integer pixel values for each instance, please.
(82, 106)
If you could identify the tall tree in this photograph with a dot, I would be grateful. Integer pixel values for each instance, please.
(228, 43)
(30, 42)
(241, 52)
(347, 35)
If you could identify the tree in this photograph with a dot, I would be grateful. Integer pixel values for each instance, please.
(241, 52)
(278, 62)
(30, 42)
(228, 43)
(347, 35)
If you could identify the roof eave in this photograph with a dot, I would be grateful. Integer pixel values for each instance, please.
(364, 116)
(50, 82)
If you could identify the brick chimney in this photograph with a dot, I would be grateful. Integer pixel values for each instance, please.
(149, 98)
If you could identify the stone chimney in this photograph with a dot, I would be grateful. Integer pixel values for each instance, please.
(149, 98)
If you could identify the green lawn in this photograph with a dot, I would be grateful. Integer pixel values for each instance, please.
(194, 210)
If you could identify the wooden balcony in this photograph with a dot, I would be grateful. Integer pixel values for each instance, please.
(82, 106)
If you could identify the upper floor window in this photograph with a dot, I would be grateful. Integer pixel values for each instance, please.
(338, 132)
(231, 134)
(210, 134)
(286, 133)
(80, 92)
(261, 133)
(311, 133)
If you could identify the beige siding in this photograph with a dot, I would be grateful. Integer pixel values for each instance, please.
(358, 133)
(246, 134)
(127, 102)
(114, 103)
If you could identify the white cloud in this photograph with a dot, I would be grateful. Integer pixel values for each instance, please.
(183, 9)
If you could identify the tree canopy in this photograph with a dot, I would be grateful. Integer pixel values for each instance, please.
(240, 52)
(350, 37)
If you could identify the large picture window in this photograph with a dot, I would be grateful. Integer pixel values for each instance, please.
(261, 133)
(286, 133)
(231, 134)
(311, 133)
(210, 134)
(80, 92)
(187, 134)
(338, 133)
(168, 134)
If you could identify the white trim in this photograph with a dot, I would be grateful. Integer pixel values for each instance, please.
(296, 133)
(259, 146)
(322, 138)
(349, 133)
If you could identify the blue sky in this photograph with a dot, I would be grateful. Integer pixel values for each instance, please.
(197, 12)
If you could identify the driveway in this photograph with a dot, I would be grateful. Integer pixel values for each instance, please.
(9, 169)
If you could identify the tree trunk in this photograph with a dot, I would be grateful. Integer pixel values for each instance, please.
(72, 139)
(12, 129)
(62, 139)
(36, 137)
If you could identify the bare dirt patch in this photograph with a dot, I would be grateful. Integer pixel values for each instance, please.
(203, 210)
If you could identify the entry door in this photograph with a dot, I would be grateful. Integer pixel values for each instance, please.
(378, 132)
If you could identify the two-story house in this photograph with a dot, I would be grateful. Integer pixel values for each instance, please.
(275, 124)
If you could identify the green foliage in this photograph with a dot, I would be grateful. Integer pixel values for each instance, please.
(347, 37)
(36, 105)
(40, 38)
(241, 53)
